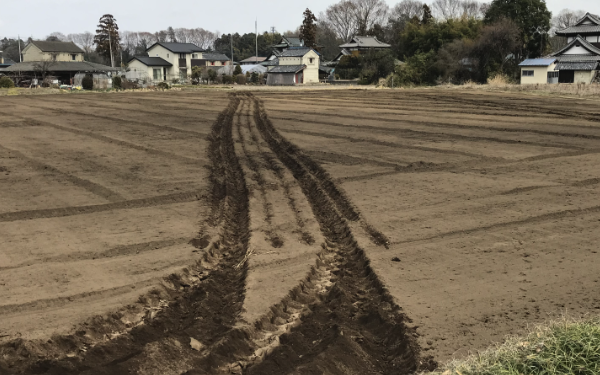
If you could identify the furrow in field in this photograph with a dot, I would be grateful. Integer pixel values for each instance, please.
(88, 185)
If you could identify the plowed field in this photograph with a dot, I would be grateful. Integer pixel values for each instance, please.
(290, 231)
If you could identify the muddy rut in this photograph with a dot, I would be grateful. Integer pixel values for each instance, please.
(339, 319)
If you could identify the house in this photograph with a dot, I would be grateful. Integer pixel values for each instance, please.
(52, 51)
(5, 62)
(296, 65)
(535, 71)
(288, 42)
(252, 60)
(62, 71)
(579, 60)
(148, 68)
(360, 44)
(176, 61)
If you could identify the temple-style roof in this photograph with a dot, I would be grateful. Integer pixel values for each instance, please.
(579, 42)
(365, 42)
(588, 24)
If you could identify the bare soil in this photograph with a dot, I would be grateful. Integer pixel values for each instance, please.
(339, 232)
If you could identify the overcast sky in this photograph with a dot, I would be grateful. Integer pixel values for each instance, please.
(38, 18)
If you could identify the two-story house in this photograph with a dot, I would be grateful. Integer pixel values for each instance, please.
(38, 50)
(577, 62)
(296, 65)
(170, 61)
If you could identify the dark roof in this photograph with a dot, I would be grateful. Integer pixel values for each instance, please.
(586, 65)
(365, 42)
(178, 47)
(580, 28)
(289, 41)
(577, 58)
(68, 47)
(584, 43)
(212, 56)
(343, 52)
(62, 66)
(287, 69)
(151, 61)
(273, 62)
(254, 59)
(538, 62)
(296, 52)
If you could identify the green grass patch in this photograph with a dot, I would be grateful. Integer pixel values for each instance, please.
(566, 346)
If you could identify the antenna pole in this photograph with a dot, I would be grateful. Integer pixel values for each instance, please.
(256, 35)
(20, 57)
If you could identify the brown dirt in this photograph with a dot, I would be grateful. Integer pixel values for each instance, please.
(337, 232)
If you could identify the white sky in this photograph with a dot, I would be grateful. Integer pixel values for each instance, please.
(38, 18)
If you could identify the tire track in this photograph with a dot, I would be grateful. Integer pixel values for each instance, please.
(88, 185)
(203, 302)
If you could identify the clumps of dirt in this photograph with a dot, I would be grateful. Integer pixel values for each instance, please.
(275, 240)
(377, 237)
(307, 238)
(419, 165)
(200, 242)
(3, 169)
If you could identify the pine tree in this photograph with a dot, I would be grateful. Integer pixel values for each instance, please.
(427, 17)
(171, 35)
(107, 38)
(308, 30)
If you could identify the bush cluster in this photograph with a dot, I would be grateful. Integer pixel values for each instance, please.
(87, 82)
(6, 83)
(117, 82)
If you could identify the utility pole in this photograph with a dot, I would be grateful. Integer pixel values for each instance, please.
(256, 35)
(112, 61)
(231, 41)
(20, 57)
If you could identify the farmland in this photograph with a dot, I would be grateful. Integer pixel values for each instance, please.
(290, 231)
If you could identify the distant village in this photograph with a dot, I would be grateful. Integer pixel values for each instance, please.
(411, 44)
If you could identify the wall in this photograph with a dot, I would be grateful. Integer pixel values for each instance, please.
(583, 76)
(311, 72)
(540, 74)
(290, 61)
(173, 58)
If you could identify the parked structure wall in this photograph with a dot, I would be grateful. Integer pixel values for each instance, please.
(540, 74)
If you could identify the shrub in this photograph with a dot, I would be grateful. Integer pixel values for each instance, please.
(212, 75)
(117, 82)
(6, 83)
(254, 77)
(237, 70)
(87, 82)
(129, 85)
(241, 79)
(163, 86)
(228, 80)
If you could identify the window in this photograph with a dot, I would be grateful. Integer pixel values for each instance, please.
(552, 74)
(157, 73)
(311, 60)
(212, 63)
(182, 55)
(194, 55)
(73, 57)
(168, 56)
(527, 73)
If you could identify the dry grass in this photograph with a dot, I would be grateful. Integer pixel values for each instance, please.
(565, 346)
(499, 80)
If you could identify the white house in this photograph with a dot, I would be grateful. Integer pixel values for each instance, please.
(297, 65)
(173, 61)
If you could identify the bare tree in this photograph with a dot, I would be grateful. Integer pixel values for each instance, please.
(471, 9)
(341, 19)
(447, 9)
(182, 34)
(566, 18)
(43, 67)
(408, 9)
(202, 38)
(368, 13)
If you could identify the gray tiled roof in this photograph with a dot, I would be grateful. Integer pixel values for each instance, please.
(365, 42)
(151, 61)
(254, 59)
(587, 65)
(68, 47)
(179, 47)
(212, 56)
(578, 58)
(273, 62)
(295, 52)
(584, 43)
(583, 29)
(62, 66)
(287, 69)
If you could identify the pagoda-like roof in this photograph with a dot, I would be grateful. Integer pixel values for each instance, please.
(588, 24)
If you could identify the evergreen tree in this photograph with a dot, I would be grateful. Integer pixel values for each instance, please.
(107, 38)
(427, 17)
(308, 30)
(171, 35)
(237, 70)
(531, 16)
